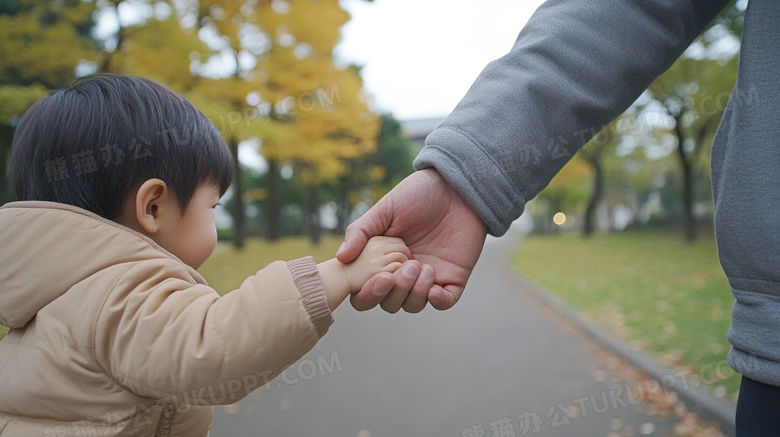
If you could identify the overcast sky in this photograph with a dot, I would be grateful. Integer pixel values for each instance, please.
(421, 56)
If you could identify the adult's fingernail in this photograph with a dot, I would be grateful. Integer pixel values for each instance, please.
(341, 247)
(381, 288)
(410, 270)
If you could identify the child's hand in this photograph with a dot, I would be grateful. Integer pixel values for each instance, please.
(381, 254)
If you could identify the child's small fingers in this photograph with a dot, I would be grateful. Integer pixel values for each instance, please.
(394, 244)
(402, 247)
(393, 266)
(396, 257)
(406, 251)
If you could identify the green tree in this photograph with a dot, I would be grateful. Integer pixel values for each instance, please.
(378, 172)
(691, 93)
(599, 149)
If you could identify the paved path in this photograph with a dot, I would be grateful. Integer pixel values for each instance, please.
(496, 355)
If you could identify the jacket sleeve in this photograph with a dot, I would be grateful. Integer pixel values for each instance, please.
(160, 335)
(575, 66)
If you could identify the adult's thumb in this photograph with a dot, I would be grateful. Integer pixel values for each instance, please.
(355, 240)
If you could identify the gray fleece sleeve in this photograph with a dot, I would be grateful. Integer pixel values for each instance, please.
(576, 66)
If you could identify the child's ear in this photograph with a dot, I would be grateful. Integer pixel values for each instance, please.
(151, 202)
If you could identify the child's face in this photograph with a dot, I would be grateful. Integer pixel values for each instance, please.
(192, 237)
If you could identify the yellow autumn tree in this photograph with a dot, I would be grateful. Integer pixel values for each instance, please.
(320, 117)
(41, 44)
(232, 26)
(196, 48)
(311, 114)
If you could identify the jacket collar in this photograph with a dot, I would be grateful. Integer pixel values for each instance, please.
(47, 247)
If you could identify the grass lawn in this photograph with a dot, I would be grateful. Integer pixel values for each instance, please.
(662, 295)
(227, 268)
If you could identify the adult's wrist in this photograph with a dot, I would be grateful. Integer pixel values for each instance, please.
(475, 176)
(456, 199)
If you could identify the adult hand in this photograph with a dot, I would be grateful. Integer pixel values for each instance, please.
(442, 231)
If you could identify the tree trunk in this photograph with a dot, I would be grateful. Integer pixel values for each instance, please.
(274, 201)
(687, 189)
(344, 208)
(313, 216)
(109, 60)
(239, 212)
(595, 197)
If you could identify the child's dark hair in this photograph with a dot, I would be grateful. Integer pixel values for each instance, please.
(91, 144)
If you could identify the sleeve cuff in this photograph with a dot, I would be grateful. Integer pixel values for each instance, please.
(307, 278)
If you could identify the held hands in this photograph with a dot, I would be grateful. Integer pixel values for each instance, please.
(443, 233)
(381, 254)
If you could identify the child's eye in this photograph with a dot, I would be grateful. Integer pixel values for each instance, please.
(216, 205)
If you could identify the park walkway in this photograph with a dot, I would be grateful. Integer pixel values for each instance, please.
(498, 364)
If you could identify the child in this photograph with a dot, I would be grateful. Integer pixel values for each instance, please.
(113, 331)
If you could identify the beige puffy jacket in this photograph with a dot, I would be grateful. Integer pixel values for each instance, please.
(114, 336)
